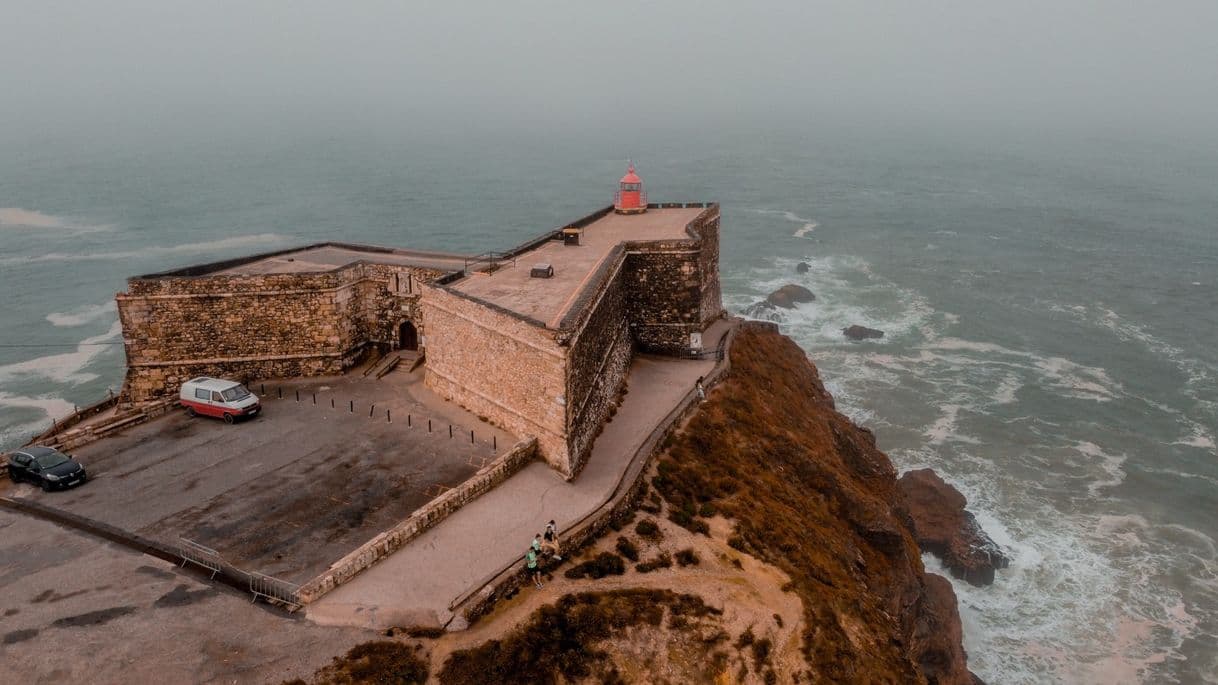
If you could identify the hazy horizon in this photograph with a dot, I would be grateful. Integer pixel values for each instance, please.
(142, 70)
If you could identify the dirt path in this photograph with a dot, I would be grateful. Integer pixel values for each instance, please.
(750, 596)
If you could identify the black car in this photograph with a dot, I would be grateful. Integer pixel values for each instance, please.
(46, 467)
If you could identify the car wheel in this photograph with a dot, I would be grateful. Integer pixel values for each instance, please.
(190, 411)
(228, 418)
(46, 486)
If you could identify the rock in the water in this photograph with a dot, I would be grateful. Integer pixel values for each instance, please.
(943, 527)
(857, 332)
(802, 268)
(789, 295)
(763, 310)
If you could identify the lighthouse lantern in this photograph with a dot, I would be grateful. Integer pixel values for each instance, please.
(630, 197)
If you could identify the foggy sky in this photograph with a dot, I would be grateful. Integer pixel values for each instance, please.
(66, 67)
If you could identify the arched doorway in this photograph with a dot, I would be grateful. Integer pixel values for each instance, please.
(408, 336)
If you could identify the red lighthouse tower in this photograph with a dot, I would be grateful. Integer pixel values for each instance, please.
(630, 197)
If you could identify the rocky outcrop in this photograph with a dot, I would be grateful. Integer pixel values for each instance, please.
(789, 295)
(785, 297)
(944, 528)
(857, 332)
(802, 268)
(808, 491)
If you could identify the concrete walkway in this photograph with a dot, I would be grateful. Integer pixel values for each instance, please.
(416, 585)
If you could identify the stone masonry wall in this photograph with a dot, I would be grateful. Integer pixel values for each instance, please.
(500, 367)
(665, 295)
(598, 361)
(674, 286)
(256, 326)
(707, 226)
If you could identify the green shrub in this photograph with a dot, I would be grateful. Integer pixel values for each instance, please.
(627, 549)
(380, 661)
(688, 557)
(663, 560)
(648, 530)
(603, 564)
(557, 643)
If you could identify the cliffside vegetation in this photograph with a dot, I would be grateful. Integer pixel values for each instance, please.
(809, 492)
(773, 548)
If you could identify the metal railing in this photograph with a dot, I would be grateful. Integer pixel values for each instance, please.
(197, 554)
(274, 590)
(617, 198)
(493, 260)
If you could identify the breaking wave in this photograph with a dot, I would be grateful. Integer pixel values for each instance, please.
(1083, 600)
(806, 226)
(261, 239)
(81, 315)
(68, 367)
(16, 217)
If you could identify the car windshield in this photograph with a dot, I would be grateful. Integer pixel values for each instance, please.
(237, 392)
(50, 460)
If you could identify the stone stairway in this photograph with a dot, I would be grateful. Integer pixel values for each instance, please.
(406, 359)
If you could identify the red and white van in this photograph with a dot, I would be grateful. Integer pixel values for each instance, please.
(217, 397)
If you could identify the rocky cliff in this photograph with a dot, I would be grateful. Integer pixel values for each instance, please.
(809, 492)
(772, 546)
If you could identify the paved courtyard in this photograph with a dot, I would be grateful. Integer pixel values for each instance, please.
(416, 584)
(292, 490)
(74, 609)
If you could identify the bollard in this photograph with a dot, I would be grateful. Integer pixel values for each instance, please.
(262, 388)
(408, 420)
(331, 402)
(428, 425)
(314, 398)
(471, 437)
(280, 391)
(494, 443)
(450, 431)
(388, 418)
(370, 410)
(297, 395)
(352, 407)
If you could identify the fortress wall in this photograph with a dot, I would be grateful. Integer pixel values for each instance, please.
(498, 366)
(598, 361)
(665, 285)
(674, 286)
(388, 295)
(707, 226)
(252, 326)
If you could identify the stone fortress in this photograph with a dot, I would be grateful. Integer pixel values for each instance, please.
(537, 339)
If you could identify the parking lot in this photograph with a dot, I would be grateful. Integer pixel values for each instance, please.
(293, 490)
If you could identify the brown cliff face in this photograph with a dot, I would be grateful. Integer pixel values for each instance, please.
(944, 528)
(810, 493)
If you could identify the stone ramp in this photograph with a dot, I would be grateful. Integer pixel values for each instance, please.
(417, 584)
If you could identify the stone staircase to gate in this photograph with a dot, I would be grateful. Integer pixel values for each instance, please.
(405, 359)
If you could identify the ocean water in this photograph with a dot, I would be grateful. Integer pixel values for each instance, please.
(1047, 303)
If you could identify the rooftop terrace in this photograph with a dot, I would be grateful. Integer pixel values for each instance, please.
(316, 258)
(549, 299)
(329, 257)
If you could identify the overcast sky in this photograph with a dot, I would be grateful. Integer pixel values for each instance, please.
(66, 65)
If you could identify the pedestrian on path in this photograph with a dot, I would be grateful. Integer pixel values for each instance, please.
(534, 570)
(550, 541)
(700, 390)
(536, 546)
